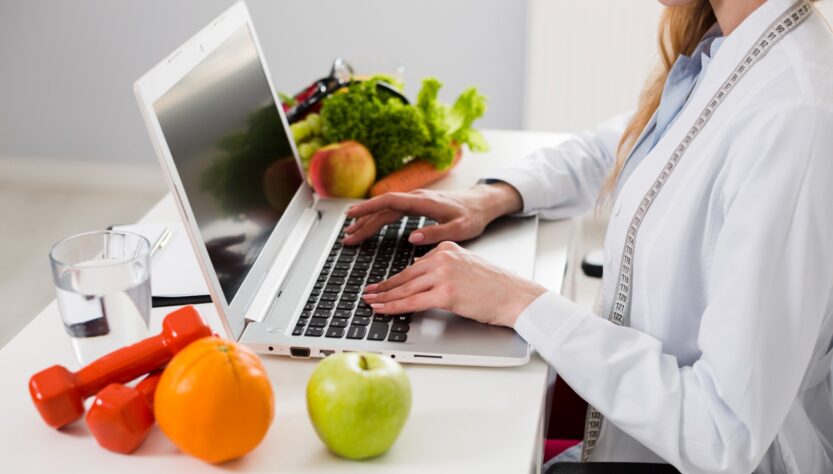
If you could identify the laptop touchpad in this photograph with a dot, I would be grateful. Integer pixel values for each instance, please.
(510, 243)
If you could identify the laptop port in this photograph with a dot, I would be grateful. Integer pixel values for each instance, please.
(302, 352)
(325, 353)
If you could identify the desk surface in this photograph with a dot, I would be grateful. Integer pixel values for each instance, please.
(462, 419)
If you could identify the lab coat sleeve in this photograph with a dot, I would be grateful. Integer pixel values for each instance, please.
(565, 180)
(770, 283)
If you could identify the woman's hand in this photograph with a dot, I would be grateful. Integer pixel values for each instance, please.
(461, 215)
(454, 279)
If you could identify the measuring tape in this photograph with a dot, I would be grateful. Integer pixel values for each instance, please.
(794, 16)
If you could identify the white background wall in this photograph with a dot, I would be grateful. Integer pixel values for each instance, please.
(588, 59)
(67, 67)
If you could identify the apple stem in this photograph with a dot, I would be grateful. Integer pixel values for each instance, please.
(363, 362)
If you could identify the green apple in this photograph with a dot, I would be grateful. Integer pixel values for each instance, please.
(358, 403)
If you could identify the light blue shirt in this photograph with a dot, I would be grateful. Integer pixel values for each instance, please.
(682, 81)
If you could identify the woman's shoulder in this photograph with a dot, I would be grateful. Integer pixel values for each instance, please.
(806, 64)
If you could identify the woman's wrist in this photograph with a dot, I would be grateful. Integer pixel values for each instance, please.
(497, 200)
(524, 296)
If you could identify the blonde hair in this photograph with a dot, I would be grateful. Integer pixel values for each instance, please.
(681, 29)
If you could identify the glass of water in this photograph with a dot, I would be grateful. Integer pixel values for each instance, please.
(103, 284)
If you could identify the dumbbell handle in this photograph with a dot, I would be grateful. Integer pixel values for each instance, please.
(179, 329)
(125, 364)
(147, 386)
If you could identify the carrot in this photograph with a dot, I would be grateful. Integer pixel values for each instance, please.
(416, 174)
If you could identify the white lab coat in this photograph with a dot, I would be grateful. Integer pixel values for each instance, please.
(725, 365)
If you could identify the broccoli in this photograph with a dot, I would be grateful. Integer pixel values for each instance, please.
(391, 130)
(395, 132)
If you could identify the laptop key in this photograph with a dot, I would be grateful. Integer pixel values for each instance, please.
(343, 313)
(346, 305)
(400, 327)
(403, 318)
(339, 273)
(326, 305)
(382, 318)
(317, 323)
(329, 297)
(364, 312)
(298, 330)
(314, 332)
(339, 323)
(335, 332)
(350, 297)
(309, 307)
(361, 321)
(336, 281)
(398, 337)
(356, 332)
(377, 332)
(321, 313)
(332, 289)
(353, 288)
(355, 281)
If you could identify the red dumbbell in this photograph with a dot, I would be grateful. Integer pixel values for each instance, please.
(59, 394)
(121, 417)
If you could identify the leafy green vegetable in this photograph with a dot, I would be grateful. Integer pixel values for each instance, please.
(449, 125)
(395, 132)
(287, 99)
(391, 130)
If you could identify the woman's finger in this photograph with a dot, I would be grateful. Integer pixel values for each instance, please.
(411, 304)
(443, 246)
(371, 226)
(399, 279)
(417, 285)
(451, 230)
(357, 225)
(403, 202)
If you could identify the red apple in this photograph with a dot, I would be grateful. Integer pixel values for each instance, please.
(344, 169)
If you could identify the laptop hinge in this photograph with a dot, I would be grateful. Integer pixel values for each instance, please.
(268, 290)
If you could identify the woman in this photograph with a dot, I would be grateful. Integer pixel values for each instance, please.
(723, 360)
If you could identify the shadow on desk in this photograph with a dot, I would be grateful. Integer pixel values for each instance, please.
(610, 468)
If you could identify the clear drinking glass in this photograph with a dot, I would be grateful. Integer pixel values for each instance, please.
(367, 68)
(102, 280)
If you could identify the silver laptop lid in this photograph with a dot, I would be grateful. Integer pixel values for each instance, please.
(227, 151)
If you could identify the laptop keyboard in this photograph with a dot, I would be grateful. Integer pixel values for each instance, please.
(335, 309)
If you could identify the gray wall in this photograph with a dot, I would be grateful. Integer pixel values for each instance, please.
(67, 67)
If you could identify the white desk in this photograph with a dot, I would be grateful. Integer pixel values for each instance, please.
(462, 420)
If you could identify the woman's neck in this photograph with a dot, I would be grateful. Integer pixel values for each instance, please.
(731, 13)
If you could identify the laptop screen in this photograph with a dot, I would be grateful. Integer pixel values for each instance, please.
(232, 153)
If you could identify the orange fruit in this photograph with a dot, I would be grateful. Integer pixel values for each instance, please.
(214, 400)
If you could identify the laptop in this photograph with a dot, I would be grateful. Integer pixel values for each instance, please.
(270, 249)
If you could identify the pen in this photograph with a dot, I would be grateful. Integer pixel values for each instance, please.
(163, 240)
